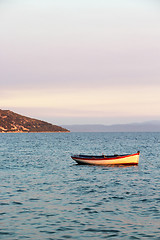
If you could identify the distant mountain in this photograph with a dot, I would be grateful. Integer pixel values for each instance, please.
(152, 126)
(13, 122)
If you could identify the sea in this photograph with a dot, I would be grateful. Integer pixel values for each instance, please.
(45, 195)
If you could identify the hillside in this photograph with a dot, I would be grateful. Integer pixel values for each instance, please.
(13, 122)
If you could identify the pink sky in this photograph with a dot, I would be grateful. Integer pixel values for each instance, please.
(71, 62)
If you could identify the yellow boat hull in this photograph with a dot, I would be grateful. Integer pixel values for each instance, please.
(132, 159)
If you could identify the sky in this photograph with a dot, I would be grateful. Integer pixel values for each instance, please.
(81, 62)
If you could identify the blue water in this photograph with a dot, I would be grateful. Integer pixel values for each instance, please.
(44, 194)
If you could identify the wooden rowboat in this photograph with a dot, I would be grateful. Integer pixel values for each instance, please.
(125, 159)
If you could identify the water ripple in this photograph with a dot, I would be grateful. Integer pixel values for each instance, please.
(45, 195)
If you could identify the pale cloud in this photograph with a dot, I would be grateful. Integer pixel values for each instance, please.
(84, 103)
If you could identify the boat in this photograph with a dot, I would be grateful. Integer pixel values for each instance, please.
(125, 159)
